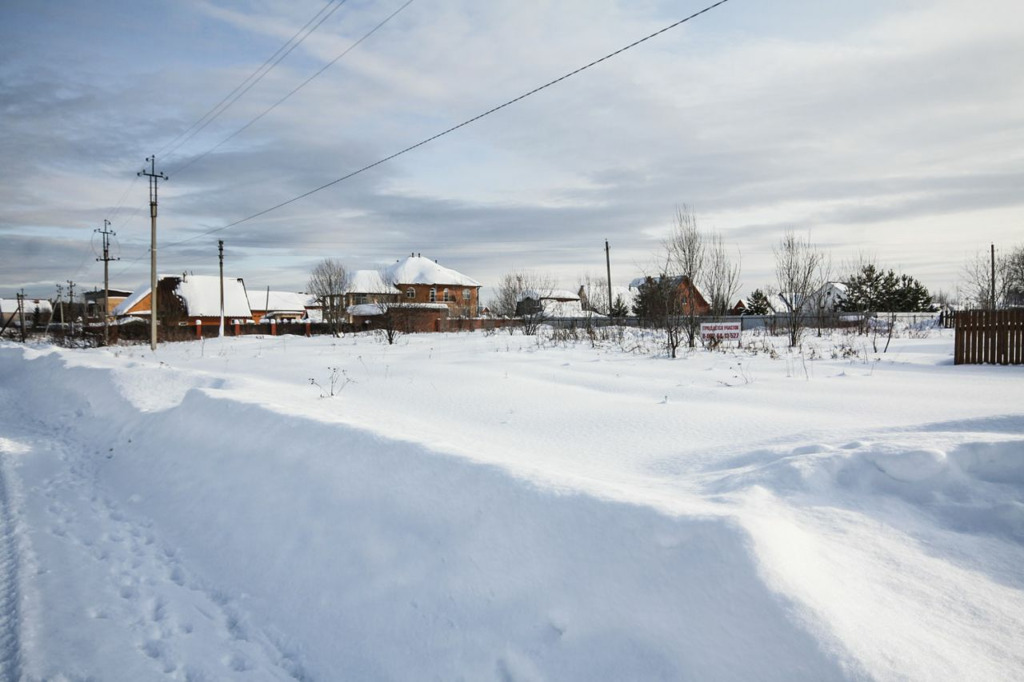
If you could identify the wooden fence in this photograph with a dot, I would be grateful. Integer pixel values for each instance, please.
(994, 337)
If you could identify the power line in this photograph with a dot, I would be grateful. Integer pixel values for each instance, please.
(223, 105)
(304, 83)
(453, 128)
(253, 78)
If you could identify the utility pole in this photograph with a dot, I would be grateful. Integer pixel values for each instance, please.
(992, 280)
(608, 266)
(220, 251)
(154, 177)
(21, 313)
(106, 232)
(60, 302)
(71, 304)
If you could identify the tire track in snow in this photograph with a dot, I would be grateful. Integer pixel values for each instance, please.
(10, 594)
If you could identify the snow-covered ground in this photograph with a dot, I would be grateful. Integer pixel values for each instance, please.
(496, 507)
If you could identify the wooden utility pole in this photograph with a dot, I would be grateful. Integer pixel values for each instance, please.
(220, 251)
(21, 313)
(154, 177)
(106, 232)
(71, 305)
(608, 266)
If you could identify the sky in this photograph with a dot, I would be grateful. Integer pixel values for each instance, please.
(886, 130)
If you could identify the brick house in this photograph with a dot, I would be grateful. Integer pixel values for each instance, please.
(691, 301)
(188, 299)
(421, 280)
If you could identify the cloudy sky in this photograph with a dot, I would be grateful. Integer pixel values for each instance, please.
(885, 128)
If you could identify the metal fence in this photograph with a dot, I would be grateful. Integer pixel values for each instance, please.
(990, 337)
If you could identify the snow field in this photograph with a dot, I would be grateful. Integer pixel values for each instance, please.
(490, 507)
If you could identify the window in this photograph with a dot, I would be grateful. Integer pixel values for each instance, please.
(433, 294)
(410, 293)
(465, 295)
(446, 296)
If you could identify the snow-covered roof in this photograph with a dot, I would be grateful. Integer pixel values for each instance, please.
(201, 295)
(420, 270)
(368, 282)
(10, 305)
(276, 301)
(141, 292)
(549, 295)
(364, 310)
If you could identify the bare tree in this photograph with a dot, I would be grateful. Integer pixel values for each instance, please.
(520, 294)
(801, 270)
(707, 277)
(327, 284)
(660, 305)
(721, 275)
(394, 314)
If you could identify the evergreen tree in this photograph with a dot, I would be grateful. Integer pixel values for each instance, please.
(758, 303)
(619, 307)
(872, 290)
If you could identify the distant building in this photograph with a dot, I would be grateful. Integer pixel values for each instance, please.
(95, 305)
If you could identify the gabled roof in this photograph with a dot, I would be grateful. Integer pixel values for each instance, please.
(201, 295)
(420, 270)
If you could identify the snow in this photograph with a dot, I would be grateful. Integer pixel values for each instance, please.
(420, 270)
(201, 294)
(368, 282)
(501, 507)
(10, 305)
(275, 301)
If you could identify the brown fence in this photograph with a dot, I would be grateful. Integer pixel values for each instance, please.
(994, 337)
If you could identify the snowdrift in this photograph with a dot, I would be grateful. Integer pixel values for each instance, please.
(215, 538)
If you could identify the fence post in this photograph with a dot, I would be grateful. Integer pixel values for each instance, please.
(237, 330)
(273, 327)
(199, 329)
(309, 328)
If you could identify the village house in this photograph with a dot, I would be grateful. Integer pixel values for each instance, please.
(424, 294)
(280, 306)
(37, 311)
(553, 303)
(188, 300)
(421, 280)
(691, 301)
(102, 301)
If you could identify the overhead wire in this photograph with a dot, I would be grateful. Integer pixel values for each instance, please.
(253, 78)
(452, 129)
(281, 101)
(241, 89)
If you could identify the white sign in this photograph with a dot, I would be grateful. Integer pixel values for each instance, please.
(720, 330)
